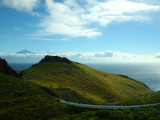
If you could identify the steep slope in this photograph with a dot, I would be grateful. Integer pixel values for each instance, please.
(96, 86)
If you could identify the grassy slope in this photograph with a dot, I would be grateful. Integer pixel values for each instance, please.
(143, 99)
(90, 83)
(21, 100)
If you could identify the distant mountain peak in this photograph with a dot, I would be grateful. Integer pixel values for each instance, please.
(25, 51)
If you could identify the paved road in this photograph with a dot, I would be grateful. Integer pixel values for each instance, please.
(102, 106)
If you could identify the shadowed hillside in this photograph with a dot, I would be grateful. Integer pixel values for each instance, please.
(6, 69)
(96, 86)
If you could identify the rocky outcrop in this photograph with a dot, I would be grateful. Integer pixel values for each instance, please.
(6, 69)
(55, 59)
(124, 76)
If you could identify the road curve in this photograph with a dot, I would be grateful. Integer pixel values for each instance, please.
(95, 106)
(102, 106)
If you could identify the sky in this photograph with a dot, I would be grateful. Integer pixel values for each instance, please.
(86, 31)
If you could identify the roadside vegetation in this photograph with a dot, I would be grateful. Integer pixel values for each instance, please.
(142, 113)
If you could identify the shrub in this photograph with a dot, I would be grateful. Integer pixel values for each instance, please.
(145, 116)
(72, 117)
(137, 117)
(127, 112)
(156, 112)
(151, 114)
(126, 117)
(140, 112)
(92, 118)
(103, 113)
(117, 112)
(64, 117)
(88, 114)
(152, 118)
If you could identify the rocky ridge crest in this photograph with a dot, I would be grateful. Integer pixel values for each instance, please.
(55, 59)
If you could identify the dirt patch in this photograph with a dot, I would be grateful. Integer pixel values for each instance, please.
(72, 96)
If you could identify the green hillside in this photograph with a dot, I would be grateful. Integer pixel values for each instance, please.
(21, 100)
(142, 100)
(86, 83)
(32, 98)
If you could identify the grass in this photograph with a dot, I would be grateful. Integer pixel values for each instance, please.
(20, 99)
(96, 86)
(142, 100)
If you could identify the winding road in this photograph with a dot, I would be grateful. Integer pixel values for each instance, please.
(102, 106)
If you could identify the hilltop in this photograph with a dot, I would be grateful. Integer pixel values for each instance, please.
(55, 59)
(83, 82)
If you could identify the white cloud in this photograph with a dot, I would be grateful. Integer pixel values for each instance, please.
(70, 18)
(65, 19)
(70, 54)
(17, 29)
(157, 56)
(100, 54)
(104, 54)
(108, 56)
(22, 5)
(20, 55)
(118, 11)
(22, 58)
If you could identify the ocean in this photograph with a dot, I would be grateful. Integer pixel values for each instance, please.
(147, 73)
(20, 66)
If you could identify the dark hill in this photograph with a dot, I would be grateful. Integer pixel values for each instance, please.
(55, 59)
(6, 69)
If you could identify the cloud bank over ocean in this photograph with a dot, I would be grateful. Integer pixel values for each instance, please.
(107, 56)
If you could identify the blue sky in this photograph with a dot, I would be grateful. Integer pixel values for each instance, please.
(86, 31)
